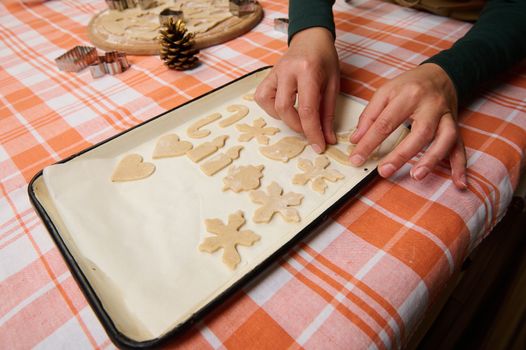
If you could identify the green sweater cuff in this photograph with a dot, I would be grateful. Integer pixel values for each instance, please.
(305, 14)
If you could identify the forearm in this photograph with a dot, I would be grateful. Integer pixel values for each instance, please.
(496, 42)
(305, 14)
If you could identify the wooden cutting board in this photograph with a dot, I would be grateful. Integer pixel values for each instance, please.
(144, 22)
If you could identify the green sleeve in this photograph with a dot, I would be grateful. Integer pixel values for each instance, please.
(305, 14)
(496, 42)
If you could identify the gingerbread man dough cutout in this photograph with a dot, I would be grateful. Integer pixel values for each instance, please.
(258, 130)
(170, 146)
(221, 161)
(243, 178)
(239, 111)
(228, 237)
(132, 168)
(285, 149)
(274, 201)
(317, 173)
(206, 149)
(194, 131)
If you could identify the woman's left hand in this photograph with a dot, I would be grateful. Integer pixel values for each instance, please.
(426, 96)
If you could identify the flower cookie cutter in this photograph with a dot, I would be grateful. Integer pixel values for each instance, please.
(113, 62)
(80, 57)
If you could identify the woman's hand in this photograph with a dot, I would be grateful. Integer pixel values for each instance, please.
(427, 97)
(310, 70)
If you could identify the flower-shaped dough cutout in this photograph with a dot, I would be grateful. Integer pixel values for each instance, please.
(275, 201)
(317, 173)
(228, 237)
(243, 178)
(258, 130)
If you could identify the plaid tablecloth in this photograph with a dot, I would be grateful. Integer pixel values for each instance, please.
(363, 280)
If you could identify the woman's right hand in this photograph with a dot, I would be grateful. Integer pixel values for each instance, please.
(310, 71)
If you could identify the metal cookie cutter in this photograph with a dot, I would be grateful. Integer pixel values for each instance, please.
(77, 58)
(281, 25)
(168, 13)
(113, 62)
(241, 8)
(146, 4)
(121, 4)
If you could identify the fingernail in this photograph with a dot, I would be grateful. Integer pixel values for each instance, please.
(387, 170)
(316, 148)
(357, 160)
(419, 173)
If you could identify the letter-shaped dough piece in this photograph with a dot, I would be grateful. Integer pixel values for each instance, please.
(206, 149)
(285, 149)
(239, 111)
(275, 201)
(243, 178)
(228, 237)
(132, 168)
(221, 161)
(194, 131)
(170, 146)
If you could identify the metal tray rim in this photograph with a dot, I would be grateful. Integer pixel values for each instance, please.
(118, 338)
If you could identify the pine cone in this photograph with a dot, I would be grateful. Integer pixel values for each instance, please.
(177, 50)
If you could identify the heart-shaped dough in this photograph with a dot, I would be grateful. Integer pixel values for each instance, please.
(132, 168)
(170, 146)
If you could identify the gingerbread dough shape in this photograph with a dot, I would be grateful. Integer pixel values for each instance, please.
(275, 201)
(239, 111)
(258, 130)
(243, 178)
(170, 146)
(206, 149)
(317, 173)
(338, 155)
(194, 131)
(285, 149)
(345, 137)
(228, 237)
(221, 161)
(132, 168)
(248, 97)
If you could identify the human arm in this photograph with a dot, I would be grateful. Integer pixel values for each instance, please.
(428, 94)
(309, 70)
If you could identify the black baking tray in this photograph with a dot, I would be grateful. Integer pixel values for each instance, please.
(116, 336)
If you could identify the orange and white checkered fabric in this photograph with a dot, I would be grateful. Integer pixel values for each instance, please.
(364, 280)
